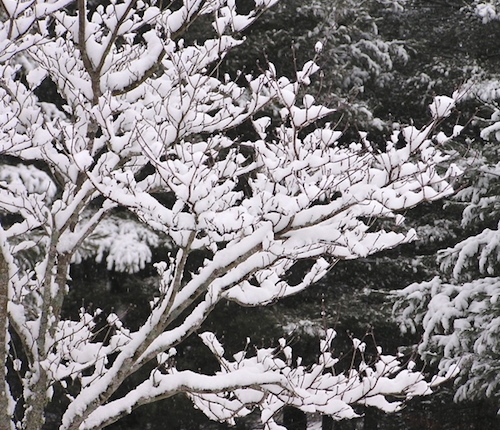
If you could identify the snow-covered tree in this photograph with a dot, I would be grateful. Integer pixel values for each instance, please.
(144, 124)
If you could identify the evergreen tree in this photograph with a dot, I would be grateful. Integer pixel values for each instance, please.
(458, 309)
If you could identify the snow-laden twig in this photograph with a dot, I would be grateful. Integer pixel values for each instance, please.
(139, 153)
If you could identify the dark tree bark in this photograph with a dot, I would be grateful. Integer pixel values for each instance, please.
(4, 400)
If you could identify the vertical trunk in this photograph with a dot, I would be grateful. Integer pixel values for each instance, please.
(5, 419)
(35, 413)
(38, 380)
(50, 315)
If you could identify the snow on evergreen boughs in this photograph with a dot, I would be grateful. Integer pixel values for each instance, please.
(461, 328)
(480, 193)
(354, 55)
(487, 10)
(458, 310)
(125, 244)
(476, 252)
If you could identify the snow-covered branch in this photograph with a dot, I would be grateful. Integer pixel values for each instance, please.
(150, 146)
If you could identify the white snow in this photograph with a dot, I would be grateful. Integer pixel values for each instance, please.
(156, 167)
(442, 106)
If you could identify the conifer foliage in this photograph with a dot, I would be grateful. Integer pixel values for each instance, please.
(146, 124)
(458, 311)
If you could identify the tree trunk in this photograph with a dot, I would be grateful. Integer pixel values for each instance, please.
(5, 419)
(39, 381)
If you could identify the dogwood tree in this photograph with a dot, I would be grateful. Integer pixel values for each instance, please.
(146, 123)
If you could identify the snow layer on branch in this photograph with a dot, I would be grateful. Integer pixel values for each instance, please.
(143, 128)
(311, 389)
(442, 106)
